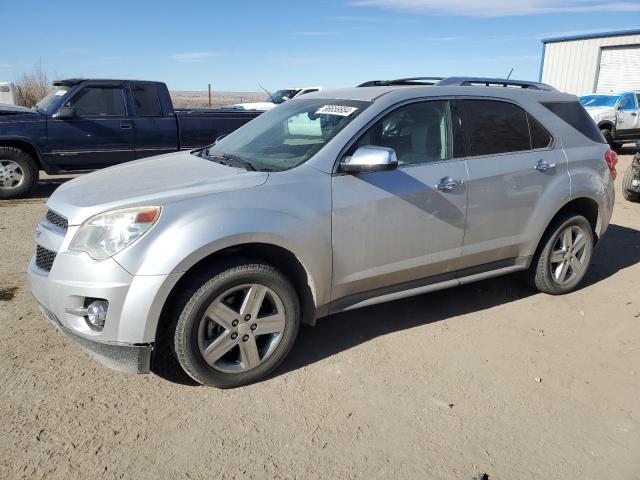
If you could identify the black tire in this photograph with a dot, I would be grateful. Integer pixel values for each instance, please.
(28, 169)
(608, 136)
(540, 272)
(627, 186)
(204, 290)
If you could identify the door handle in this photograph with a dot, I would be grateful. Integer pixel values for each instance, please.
(634, 114)
(125, 126)
(447, 184)
(543, 166)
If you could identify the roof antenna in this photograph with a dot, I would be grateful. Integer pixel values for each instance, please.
(509, 76)
(268, 92)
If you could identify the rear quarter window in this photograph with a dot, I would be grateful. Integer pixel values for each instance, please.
(146, 101)
(575, 115)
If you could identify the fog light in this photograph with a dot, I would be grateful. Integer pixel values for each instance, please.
(97, 313)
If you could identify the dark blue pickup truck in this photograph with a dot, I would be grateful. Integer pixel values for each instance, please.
(90, 124)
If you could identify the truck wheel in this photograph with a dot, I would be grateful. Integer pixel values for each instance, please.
(18, 172)
(627, 186)
(564, 259)
(608, 136)
(237, 325)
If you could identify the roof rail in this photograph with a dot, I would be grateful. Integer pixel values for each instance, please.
(494, 82)
(417, 81)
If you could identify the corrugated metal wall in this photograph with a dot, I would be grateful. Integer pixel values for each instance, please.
(572, 66)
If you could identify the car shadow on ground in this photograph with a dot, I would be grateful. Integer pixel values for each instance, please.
(618, 249)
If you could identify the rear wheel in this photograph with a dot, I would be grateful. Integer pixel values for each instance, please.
(564, 259)
(238, 326)
(627, 186)
(18, 172)
(608, 136)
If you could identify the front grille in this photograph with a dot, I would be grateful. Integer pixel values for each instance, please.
(44, 258)
(58, 220)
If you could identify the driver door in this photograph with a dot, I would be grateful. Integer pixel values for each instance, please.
(399, 229)
(98, 135)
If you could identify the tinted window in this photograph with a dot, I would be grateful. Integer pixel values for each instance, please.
(418, 132)
(146, 101)
(496, 127)
(540, 138)
(99, 102)
(575, 115)
(627, 102)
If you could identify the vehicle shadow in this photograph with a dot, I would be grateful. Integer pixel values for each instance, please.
(618, 249)
(44, 189)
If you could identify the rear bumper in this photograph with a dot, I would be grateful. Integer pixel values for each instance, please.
(123, 357)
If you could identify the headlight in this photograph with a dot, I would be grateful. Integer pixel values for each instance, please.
(105, 234)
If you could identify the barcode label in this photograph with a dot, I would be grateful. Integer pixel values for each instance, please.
(340, 110)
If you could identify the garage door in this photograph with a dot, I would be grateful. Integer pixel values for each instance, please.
(619, 69)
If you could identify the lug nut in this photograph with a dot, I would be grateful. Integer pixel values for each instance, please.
(254, 326)
(247, 317)
(245, 338)
(234, 336)
(234, 323)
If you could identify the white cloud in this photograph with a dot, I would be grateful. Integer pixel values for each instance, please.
(501, 8)
(194, 56)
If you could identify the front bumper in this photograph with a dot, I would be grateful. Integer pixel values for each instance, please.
(125, 358)
(135, 303)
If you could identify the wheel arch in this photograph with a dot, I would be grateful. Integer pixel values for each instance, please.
(24, 145)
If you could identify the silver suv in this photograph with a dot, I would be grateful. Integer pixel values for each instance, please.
(330, 202)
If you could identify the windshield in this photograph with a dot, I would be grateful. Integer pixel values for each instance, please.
(599, 100)
(279, 96)
(287, 136)
(44, 104)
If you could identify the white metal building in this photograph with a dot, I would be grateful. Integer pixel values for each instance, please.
(599, 62)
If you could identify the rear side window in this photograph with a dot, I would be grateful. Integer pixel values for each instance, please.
(575, 115)
(540, 138)
(496, 127)
(146, 101)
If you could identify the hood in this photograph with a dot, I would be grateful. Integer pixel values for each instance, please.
(253, 106)
(14, 109)
(150, 181)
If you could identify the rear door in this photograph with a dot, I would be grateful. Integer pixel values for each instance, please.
(155, 131)
(628, 124)
(395, 228)
(100, 133)
(511, 165)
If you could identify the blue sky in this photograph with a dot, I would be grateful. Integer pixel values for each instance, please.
(237, 44)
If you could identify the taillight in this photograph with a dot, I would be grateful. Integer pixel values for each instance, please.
(611, 158)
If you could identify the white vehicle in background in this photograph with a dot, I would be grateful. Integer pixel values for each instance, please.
(617, 116)
(276, 98)
(8, 94)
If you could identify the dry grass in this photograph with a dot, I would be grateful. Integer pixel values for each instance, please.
(32, 86)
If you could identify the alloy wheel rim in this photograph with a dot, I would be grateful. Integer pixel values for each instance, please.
(569, 255)
(11, 174)
(241, 328)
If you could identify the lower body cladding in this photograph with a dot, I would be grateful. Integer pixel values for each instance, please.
(133, 305)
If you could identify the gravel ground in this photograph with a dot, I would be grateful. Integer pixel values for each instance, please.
(440, 386)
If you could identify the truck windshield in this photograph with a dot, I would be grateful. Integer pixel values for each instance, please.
(44, 104)
(599, 100)
(287, 136)
(279, 96)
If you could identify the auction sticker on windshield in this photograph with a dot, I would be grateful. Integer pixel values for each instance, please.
(340, 110)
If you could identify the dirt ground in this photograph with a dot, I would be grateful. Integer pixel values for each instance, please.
(441, 386)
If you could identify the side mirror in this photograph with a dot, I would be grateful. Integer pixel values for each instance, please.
(370, 159)
(65, 112)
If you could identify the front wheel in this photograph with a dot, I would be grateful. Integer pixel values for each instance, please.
(18, 173)
(564, 259)
(238, 326)
(629, 191)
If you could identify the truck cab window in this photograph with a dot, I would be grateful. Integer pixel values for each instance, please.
(99, 102)
(145, 100)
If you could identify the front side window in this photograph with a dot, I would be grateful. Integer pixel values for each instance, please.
(496, 127)
(417, 132)
(99, 102)
(627, 102)
(287, 136)
(146, 101)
